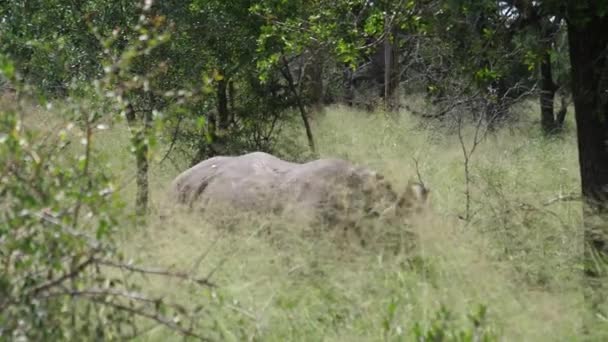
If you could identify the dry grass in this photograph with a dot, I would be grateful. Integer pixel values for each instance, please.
(518, 256)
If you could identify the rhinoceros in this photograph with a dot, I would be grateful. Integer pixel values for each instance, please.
(331, 191)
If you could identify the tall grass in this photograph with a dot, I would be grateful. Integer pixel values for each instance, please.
(519, 257)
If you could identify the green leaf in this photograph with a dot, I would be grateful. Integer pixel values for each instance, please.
(200, 123)
(7, 68)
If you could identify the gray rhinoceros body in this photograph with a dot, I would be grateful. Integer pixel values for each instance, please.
(331, 190)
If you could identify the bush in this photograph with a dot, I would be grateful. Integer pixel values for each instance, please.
(61, 276)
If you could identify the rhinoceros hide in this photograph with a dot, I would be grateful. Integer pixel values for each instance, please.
(329, 190)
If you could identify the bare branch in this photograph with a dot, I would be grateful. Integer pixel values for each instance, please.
(103, 293)
(159, 272)
(173, 139)
(153, 316)
(68, 276)
(418, 172)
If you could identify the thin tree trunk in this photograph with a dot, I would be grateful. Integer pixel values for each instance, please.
(222, 105)
(303, 114)
(391, 70)
(588, 54)
(563, 110)
(139, 133)
(388, 63)
(141, 200)
(349, 93)
(315, 81)
(547, 95)
(395, 71)
(232, 101)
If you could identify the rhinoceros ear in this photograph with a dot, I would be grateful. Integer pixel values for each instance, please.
(421, 191)
(415, 195)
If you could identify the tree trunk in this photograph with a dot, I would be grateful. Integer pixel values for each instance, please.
(388, 61)
(316, 85)
(232, 101)
(141, 200)
(588, 55)
(222, 105)
(314, 80)
(298, 98)
(139, 133)
(563, 110)
(547, 95)
(390, 67)
(349, 89)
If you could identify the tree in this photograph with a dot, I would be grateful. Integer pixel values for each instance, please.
(364, 36)
(67, 57)
(542, 35)
(550, 30)
(588, 49)
(215, 50)
(587, 21)
(53, 44)
(587, 25)
(134, 84)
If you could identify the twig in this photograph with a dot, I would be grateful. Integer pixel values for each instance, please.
(92, 242)
(242, 312)
(96, 293)
(55, 282)
(418, 172)
(142, 270)
(155, 317)
(563, 198)
(173, 139)
(103, 293)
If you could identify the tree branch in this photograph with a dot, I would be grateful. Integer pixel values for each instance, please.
(142, 270)
(155, 317)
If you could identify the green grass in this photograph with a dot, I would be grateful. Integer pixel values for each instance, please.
(519, 257)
